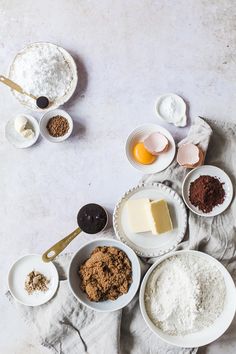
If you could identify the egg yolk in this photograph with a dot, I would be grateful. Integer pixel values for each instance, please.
(142, 155)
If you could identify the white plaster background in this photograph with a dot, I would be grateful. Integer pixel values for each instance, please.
(128, 52)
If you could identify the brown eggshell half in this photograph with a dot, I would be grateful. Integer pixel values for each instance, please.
(200, 162)
(188, 155)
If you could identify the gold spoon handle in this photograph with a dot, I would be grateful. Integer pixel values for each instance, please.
(56, 249)
(15, 87)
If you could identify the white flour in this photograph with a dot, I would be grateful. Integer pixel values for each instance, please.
(184, 294)
(42, 70)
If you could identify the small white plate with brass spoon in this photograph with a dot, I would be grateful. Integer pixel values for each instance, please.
(92, 219)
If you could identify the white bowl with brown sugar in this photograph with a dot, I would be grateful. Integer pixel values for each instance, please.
(115, 296)
(56, 126)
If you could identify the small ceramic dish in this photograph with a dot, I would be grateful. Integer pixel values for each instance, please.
(208, 334)
(44, 121)
(59, 101)
(141, 133)
(16, 139)
(17, 276)
(74, 280)
(209, 171)
(172, 112)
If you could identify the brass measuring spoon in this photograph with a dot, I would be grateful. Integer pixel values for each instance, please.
(41, 102)
(91, 218)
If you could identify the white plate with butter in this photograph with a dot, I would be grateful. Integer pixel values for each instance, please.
(16, 139)
(146, 244)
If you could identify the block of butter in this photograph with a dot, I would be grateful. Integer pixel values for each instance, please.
(159, 217)
(137, 215)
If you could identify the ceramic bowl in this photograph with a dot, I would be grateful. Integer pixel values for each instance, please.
(44, 121)
(59, 101)
(74, 280)
(179, 119)
(141, 133)
(209, 171)
(208, 334)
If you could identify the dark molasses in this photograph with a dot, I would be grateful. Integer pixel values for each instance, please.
(42, 102)
(92, 218)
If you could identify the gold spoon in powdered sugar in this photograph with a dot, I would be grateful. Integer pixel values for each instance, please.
(41, 102)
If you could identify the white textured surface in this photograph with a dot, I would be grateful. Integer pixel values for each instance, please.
(128, 53)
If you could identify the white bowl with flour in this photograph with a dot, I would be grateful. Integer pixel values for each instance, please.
(44, 69)
(188, 298)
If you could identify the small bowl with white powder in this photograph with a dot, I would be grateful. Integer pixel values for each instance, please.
(44, 69)
(188, 299)
(171, 108)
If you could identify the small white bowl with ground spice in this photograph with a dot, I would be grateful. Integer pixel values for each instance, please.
(104, 275)
(31, 281)
(56, 126)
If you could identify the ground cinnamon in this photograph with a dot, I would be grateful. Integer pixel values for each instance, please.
(206, 192)
(57, 126)
(36, 281)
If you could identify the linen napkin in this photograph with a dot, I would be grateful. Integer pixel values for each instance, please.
(67, 327)
(199, 134)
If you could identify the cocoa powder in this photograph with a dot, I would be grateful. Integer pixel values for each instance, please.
(206, 192)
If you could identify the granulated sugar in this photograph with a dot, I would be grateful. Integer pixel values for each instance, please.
(42, 70)
(184, 294)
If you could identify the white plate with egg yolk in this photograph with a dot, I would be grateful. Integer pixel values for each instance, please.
(138, 135)
(146, 244)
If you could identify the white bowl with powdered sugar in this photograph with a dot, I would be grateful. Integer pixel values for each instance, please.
(44, 69)
(188, 298)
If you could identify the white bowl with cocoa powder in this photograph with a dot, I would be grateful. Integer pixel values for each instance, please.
(82, 255)
(56, 126)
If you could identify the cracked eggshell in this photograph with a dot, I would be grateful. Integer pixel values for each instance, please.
(156, 143)
(188, 155)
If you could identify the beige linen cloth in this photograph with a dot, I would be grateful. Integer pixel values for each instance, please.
(67, 327)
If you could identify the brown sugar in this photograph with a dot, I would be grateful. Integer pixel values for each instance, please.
(107, 274)
(206, 192)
